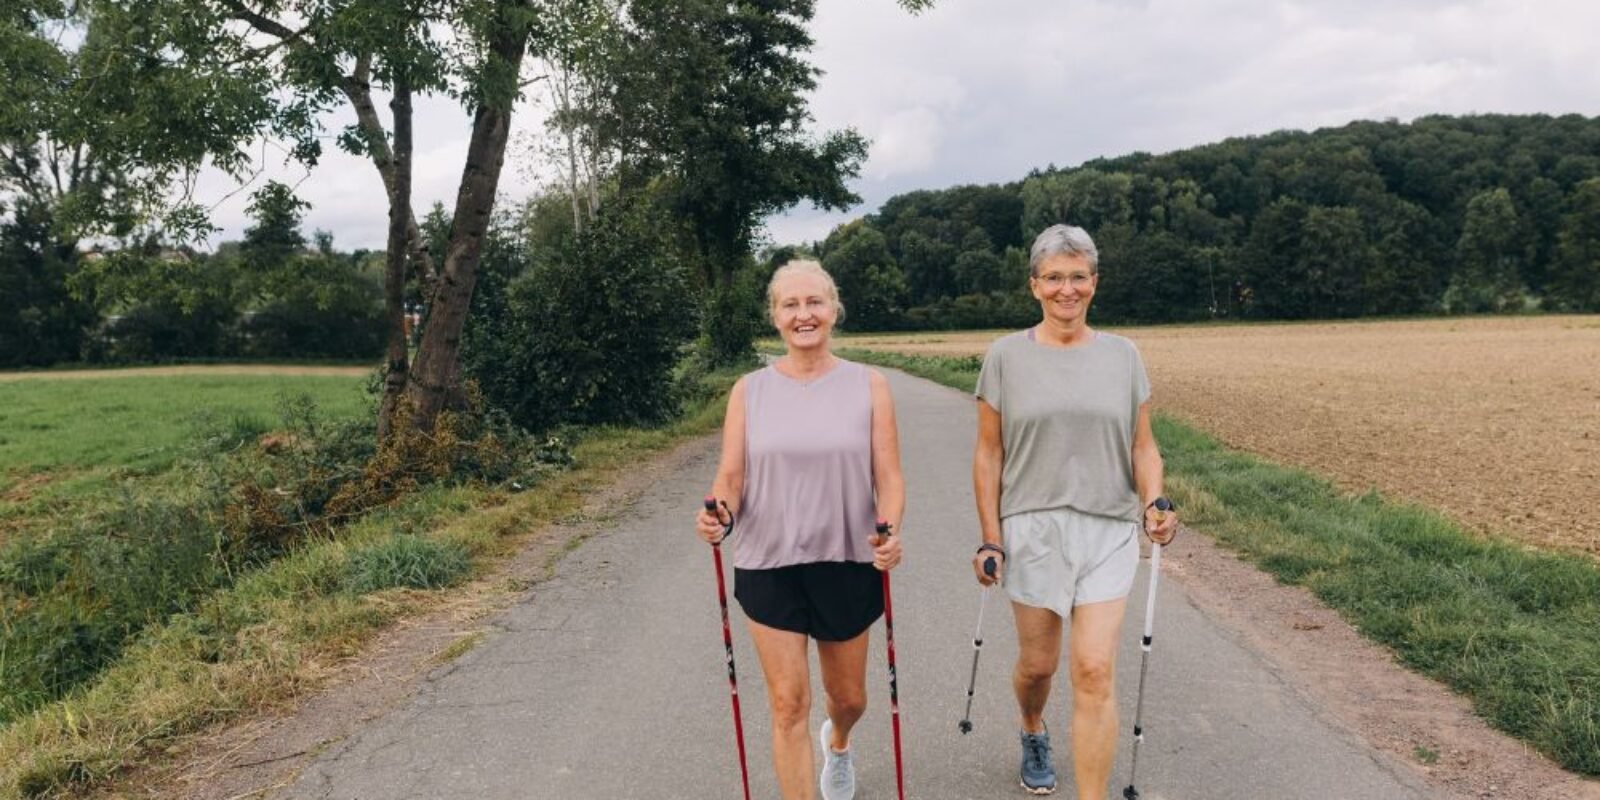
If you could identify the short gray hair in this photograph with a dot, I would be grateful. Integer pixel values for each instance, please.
(1062, 240)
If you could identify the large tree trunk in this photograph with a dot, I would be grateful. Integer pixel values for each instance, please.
(436, 375)
(396, 357)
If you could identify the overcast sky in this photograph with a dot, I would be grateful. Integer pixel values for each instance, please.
(981, 91)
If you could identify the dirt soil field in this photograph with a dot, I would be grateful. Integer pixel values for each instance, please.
(1494, 421)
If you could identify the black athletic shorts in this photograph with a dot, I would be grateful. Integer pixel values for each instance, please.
(830, 601)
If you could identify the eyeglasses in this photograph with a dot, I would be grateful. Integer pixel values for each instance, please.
(1056, 280)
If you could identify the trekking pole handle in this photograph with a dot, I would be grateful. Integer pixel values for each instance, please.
(711, 506)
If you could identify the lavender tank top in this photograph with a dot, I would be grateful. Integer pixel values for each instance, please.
(808, 492)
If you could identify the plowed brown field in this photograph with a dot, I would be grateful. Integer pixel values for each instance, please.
(1494, 421)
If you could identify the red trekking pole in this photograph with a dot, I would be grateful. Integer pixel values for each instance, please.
(885, 531)
(727, 642)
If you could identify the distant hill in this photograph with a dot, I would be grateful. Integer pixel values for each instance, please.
(1440, 215)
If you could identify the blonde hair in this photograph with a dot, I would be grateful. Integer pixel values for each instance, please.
(803, 266)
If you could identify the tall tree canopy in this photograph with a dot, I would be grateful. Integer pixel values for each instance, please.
(1444, 214)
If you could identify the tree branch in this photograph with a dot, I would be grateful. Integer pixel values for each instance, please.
(357, 87)
(22, 176)
(260, 22)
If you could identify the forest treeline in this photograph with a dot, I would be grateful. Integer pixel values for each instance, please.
(1440, 215)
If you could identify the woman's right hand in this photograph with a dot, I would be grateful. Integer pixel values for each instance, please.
(999, 567)
(712, 526)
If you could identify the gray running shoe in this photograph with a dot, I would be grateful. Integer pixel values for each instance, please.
(838, 769)
(1038, 774)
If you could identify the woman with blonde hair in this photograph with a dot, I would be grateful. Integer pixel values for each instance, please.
(810, 461)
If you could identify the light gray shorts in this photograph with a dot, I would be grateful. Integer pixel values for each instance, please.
(1061, 558)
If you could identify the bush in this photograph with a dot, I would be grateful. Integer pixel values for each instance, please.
(406, 562)
(591, 336)
(288, 330)
(163, 332)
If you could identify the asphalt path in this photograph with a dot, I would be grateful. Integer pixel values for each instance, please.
(609, 680)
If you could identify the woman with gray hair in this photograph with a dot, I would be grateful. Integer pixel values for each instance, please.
(810, 463)
(1066, 472)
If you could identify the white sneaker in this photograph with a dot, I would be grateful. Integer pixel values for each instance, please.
(838, 769)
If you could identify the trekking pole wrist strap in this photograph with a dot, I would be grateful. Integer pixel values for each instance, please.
(992, 548)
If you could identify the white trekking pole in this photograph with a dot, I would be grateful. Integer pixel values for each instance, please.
(1162, 506)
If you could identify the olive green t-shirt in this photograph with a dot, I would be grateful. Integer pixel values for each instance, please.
(1066, 422)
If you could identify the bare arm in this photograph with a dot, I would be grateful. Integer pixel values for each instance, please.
(1149, 476)
(987, 458)
(728, 486)
(887, 479)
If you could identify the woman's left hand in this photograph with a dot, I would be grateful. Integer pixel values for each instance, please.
(1160, 526)
(885, 552)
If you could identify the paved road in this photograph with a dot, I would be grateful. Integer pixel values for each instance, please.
(609, 682)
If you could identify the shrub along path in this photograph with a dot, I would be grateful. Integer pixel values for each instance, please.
(608, 679)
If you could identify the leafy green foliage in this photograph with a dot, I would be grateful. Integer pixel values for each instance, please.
(710, 109)
(590, 335)
(1374, 218)
(43, 323)
(1575, 279)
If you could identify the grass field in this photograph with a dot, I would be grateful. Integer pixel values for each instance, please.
(1493, 421)
(62, 438)
(276, 631)
(141, 421)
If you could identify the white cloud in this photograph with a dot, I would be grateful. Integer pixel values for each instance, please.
(984, 90)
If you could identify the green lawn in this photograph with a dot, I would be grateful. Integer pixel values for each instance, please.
(145, 422)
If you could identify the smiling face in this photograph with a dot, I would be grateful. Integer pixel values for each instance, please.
(1064, 285)
(803, 310)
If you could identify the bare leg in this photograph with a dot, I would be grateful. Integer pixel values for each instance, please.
(844, 684)
(1092, 655)
(784, 664)
(1039, 646)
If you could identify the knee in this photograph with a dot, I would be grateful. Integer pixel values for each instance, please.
(790, 709)
(1093, 678)
(1036, 670)
(849, 702)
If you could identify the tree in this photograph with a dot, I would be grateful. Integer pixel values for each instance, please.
(275, 237)
(929, 267)
(1088, 198)
(1491, 254)
(43, 323)
(1575, 276)
(46, 159)
(870, 283)
(178, 83)
(1269, 259)
(576, 340)
(709, 99)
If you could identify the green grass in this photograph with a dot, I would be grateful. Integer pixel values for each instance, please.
(270, 634)
(146, 422)
(1515, 630)
(66, 442)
